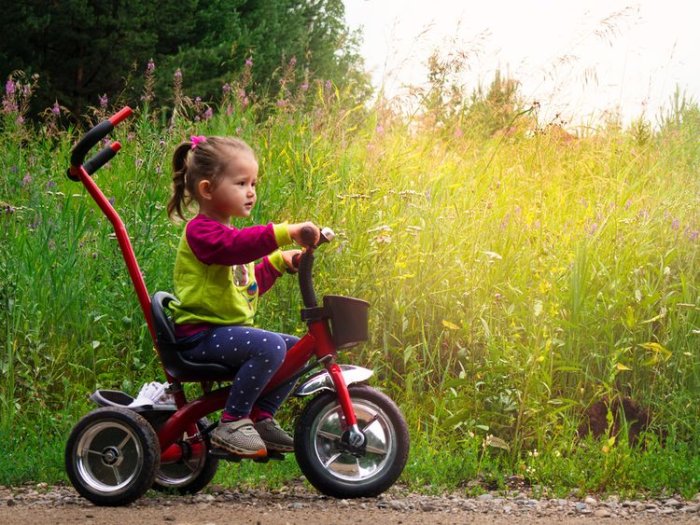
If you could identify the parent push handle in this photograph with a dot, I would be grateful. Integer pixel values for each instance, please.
(91, 138)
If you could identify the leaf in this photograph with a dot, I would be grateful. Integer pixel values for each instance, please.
(661, 315)
(449, 325)
(95, 345)
(496, 442)
(657, 349)
(622, 367)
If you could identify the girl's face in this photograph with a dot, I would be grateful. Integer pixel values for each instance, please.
(234, 194)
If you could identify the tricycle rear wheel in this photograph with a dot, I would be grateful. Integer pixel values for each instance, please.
(112, 456)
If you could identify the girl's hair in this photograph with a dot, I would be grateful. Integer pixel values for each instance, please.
(205, 159)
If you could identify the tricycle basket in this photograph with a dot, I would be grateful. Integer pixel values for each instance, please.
(348, 320)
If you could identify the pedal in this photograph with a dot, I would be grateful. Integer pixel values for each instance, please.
(225, 455)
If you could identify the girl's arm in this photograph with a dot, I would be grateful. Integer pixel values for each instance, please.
(215, 243)
(268, 270)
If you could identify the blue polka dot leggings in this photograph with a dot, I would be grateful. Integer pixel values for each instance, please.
(257, 355)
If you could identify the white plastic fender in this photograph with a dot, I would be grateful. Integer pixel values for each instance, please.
(322, 380)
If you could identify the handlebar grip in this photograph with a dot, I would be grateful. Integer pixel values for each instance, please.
(103, 157)
(306, 284)
(308, 236)
(91, 138)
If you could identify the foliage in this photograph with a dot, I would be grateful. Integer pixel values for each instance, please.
(514, 280)
(82, 50)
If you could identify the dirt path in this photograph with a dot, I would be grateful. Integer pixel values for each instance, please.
(298, 506)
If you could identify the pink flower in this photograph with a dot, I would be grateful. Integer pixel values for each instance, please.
(9, 87)
(178, 75)
(209, 113)
(56, 109)
(104, 101)
(226, 88)
(249, 62)
(151, 66)
(304, 86)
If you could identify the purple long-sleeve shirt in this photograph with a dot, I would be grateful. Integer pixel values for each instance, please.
(215, 243)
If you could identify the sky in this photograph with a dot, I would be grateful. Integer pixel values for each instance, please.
(580, 60)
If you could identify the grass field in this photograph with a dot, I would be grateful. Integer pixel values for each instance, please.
(515, 278)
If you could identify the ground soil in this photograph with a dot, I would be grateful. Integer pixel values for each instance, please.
(41, 504)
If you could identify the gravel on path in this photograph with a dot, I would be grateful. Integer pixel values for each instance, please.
(296, 504)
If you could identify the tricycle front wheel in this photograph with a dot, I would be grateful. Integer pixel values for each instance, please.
(339, 470)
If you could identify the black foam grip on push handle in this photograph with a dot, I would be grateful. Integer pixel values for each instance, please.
(103, 157)
(91, 138)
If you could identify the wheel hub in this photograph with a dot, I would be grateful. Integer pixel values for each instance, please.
(111, 456)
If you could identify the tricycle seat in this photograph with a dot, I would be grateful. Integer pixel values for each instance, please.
(171, 349)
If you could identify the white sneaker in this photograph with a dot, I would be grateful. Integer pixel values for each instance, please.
(153, 393)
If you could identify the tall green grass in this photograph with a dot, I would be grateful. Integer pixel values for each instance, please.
(514, 280)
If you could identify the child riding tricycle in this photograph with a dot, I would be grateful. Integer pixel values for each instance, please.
(350, 440)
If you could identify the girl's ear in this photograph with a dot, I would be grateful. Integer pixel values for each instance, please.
(204, 189)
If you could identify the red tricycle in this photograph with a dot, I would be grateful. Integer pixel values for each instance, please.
(350, 440)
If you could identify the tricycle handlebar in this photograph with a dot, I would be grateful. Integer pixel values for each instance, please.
(306, 265)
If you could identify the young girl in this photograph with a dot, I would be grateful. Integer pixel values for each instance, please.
(218, 285)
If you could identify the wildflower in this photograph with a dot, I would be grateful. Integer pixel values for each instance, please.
(56, 109)
(249, 62)
(151, 66)
(592, 228)
(458, 132)
(26, 180)
(246, 101)
(139, 163)
(209, 113)
(178, 75)
(379, 129)
(675, 224)
(103, 101)
(111, 200)
(281, 103)
(9, 88)
(293, 61)
(328, 84)
(693, 235)
(226, 88)
(304, 86)
(50, 185)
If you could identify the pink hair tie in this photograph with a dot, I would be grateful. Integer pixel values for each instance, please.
(197, 139)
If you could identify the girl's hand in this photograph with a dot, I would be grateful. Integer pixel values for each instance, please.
(296, 233)
(288, 256)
